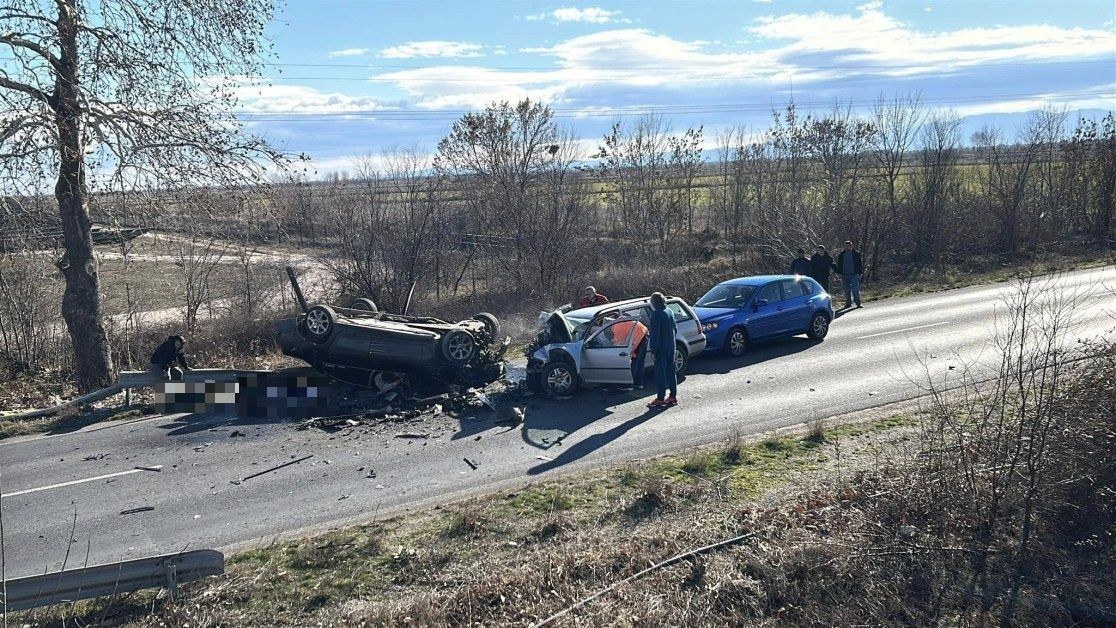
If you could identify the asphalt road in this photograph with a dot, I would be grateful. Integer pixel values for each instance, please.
(85, 480)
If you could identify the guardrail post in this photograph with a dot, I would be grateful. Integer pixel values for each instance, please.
(170, 569)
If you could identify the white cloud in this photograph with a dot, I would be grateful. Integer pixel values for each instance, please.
(348, 52)
(257, 98)
(433, 48)
(871, 38)
(593, 15)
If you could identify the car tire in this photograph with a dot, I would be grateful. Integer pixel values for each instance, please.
(681, 359)
(364, 304)
(492, 326)
(736, 342)
(559, 379)
(819, 326)
(319, 323)
(458, 346)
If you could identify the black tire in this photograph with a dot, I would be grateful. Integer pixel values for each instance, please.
(736, 342)
(364, 304)
(458, 347)
(681, 359)
(492, 326)
(319, 323)
(560, 379)
(819, 326)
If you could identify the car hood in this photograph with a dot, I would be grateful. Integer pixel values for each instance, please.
(714, 314)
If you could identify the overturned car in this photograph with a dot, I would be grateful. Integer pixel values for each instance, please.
(594, 345)
(357, 343)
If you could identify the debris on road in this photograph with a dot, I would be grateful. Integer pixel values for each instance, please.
(400, 400)
(154, 467)
(275, 468)
(472, 465)
(236, 433)
(133, 511)
(412, 435)
(96, 457)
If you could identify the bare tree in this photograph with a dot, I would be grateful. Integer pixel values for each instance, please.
(934, 187)
(897, 123)
(144, 85)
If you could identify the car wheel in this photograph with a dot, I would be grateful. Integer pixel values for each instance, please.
(819, 326)
(736, 343)
(458, 346)
(319, 323)
(559, 379)
(492, 326)
(364, 304)
(681, 359)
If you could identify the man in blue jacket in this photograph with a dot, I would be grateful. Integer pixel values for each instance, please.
(661, 342)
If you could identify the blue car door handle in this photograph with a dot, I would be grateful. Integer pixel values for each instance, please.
(623, 354)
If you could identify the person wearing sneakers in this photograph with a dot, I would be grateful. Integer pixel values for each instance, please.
(660, 342)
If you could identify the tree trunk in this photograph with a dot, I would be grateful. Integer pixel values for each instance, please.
(81, 302)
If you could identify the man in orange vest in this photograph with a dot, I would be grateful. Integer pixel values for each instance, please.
(639, 354)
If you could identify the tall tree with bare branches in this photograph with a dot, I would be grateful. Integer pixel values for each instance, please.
(95, 86)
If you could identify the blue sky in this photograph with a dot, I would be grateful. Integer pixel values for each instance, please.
(355, 77)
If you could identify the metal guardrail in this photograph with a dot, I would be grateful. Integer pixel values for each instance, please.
(165, 571)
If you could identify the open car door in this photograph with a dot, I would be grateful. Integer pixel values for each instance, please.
(606, 355)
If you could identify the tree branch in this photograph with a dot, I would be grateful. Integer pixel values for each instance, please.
(31, 91)
(16, 41)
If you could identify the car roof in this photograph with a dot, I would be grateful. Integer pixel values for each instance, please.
(757, 280)
(593, 310)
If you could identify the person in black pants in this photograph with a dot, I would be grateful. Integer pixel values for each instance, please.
(801, 264)
(166, 355)
(821, 264)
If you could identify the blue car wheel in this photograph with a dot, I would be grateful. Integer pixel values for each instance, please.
(736, 342)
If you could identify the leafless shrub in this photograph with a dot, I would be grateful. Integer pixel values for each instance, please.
(30, 320)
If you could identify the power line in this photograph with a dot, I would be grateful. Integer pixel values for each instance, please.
(846, 66)
(401, 114)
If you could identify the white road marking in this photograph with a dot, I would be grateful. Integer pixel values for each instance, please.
(72, 482)
(899, 331)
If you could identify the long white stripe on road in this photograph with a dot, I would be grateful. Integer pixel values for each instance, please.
(899, 331)
(72, 482)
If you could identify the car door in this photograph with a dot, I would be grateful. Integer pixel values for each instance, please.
(606, 355)
(796, 295)
(767, 317)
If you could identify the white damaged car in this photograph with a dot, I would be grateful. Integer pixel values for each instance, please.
(594, 345)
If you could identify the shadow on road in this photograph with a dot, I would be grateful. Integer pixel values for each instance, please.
(719, 362)
(588, 445)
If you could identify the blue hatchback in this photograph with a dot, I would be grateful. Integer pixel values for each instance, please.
(739, 311)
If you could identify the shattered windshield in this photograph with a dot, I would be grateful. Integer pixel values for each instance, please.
(726, 295)
(580, 326)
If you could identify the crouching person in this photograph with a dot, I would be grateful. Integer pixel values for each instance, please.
(169, 359)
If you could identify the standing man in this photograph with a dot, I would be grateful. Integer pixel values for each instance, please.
(801, 265)
(661, 341)
(820, 266)
(851, 266)
(590, 297)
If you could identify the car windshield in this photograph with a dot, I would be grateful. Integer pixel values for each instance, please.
(726, 295)
(580, 325)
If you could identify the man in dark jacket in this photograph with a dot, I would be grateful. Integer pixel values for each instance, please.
(851, 265)
(167, 355)
(801, 264)
(661, 341)
(820, 266)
